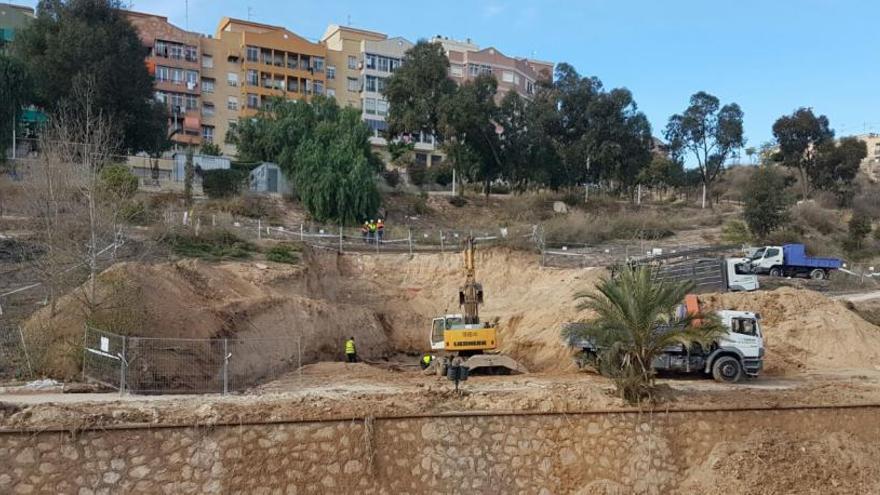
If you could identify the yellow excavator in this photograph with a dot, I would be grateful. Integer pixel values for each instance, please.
(462, 336)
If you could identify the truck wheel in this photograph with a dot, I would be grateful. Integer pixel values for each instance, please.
(775, 272)
(818, 274)
(727, 369)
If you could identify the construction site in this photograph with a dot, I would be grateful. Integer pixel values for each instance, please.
(284, 412)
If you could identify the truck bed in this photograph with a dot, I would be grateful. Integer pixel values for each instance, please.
(795, 255)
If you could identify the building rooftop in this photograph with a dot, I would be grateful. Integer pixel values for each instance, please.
(332, 28)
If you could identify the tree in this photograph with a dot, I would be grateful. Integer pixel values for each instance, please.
(859, 228)
(71, 40)
(662, 173)
(630, 309)
(211, 149)
(766, 201)
(324, 149)
(416, 89)
(836, 166)
(799, 137)
(14, 93)
(708, 131)
(467, 118)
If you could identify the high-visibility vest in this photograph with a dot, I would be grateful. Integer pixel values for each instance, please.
(372, 227)
(426, 359)
(349, 346)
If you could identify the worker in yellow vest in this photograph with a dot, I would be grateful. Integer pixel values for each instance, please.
(350, 350)
(426, 361)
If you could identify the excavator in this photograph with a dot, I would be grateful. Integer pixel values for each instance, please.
(462, 337)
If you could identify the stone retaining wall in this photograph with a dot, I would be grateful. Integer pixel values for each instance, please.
(559, 453)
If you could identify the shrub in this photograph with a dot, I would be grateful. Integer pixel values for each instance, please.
(284, 253)
(735, 232)
(500, 189)
(211, 149)
(417, 173)
(420, 206)
(859, 228)
(118, 181)
(215, 245)
(441, 174)
(810, 215)
(222, 183)
(392, 177)
(766, 202)
(457, 201)
(254, 206)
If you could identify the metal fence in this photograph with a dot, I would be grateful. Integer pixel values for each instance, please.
(143, 365)
(15, 362)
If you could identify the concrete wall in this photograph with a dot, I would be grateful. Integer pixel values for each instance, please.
(559, 453)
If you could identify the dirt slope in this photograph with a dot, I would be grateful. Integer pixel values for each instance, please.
(806, 330)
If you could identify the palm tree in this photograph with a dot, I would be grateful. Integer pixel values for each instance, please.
(637, 317)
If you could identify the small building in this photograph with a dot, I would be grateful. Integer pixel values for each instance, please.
(203, 162)
(268, 178)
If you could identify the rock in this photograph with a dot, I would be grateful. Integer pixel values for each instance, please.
(560, 207)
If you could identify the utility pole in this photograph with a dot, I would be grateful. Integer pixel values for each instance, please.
(14, 123)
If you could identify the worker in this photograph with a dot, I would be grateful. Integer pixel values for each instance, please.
(426, 361)
(350, 350)
(373, 229)
(365, 231)
(380, 229)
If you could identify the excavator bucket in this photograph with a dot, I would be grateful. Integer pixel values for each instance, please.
(494, 364)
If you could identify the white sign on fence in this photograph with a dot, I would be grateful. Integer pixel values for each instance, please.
(105, 344)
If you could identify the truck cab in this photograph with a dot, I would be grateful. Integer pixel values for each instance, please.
(450, 332)
(739, 277)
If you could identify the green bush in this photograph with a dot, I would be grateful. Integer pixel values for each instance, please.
(392, 177)
(284, 253)
(211, 149)
(417, 172)
(118, 181)
(441, 174)
(500, 189)
(735, 232)
(215, 245)
(222, 183)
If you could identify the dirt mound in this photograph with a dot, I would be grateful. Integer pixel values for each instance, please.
(806, 330)
(770, 461)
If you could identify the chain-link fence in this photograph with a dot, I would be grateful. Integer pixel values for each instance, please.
(15, 362)
(144, 365)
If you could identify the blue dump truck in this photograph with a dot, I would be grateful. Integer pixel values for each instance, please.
(791, 260)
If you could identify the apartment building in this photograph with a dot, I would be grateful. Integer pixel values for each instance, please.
(173, 59)
(871, 164)
(13, 18)
(245, 64)
(345, 59)
(467, 61)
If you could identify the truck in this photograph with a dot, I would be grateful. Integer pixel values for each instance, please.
(708, 274)
(791, 260)
(733, 355)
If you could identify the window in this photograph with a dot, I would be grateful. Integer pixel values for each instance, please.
(436, 159)
(232, 103)
(252, 78)
(175, 51)
(192, 79)
(208, 133)
(381, 107)
(292, 61)
(371, 61)
(207, 61)
(331, 72)
(530, 87)
(319, 88)
(232, 79)
(370, 84)
(771, 253)
(353, 84)
(331, 92)
(352, 62)
(253, 101)
(253, 54)
(208, 109)
(176, 102)
(307, 86)
(318, 64)
(161, 49)
(163, 73)
(370, 106)
(507, 76)
(192, 102)
(744, 326)
(207, 85)
(393, 64)
(384, 64)
(177, 76)
(293, 85)
(380, 84)
(516, 79)
(455, 70)
(421, 158)
(191, 53)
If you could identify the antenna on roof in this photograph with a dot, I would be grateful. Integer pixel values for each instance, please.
(349, 20)
(186, 13)
(250, 12)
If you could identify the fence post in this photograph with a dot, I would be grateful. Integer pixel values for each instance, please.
(27, 356)
(259, 228)
(409, 238)
(213, 220)
(441, 242)
(225, 366)
(299, 354)
(340, 238)
(301, 237)
(122, 369)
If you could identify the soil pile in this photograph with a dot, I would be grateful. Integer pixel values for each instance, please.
(768, 462)
(806, 330)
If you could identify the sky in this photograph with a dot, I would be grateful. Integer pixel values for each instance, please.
(769, 56)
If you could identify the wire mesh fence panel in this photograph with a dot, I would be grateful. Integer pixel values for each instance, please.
(186, 366)
(103, 358)
(15, 362)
